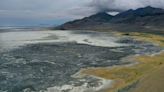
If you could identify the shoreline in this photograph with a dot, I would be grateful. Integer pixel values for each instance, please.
(123, 70)
(121, 83)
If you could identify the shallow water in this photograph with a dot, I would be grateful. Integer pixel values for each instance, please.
(32, 61)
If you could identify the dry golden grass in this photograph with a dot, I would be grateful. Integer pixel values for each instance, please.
(152, 82)
(124, 75)
(127, 75)
(147, 37)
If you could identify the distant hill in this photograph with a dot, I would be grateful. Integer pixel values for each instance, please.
(141, 16)
(87, 22)
(147, 17)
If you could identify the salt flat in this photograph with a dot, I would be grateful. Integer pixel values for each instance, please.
(14, 39)
(46, 60)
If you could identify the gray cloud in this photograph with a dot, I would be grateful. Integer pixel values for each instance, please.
(41, 10)
(39, 7)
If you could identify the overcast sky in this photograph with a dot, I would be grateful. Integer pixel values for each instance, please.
(43, 12)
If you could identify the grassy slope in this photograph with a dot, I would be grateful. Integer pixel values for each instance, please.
(125, 76)
(154, 81)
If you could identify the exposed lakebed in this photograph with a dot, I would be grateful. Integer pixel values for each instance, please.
(32, 61)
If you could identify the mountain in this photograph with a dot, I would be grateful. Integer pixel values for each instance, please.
(87, 22)
(142, 17)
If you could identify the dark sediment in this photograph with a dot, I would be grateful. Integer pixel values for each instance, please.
(39, 66)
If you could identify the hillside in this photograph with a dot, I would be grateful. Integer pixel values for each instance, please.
(87, 22)
(146, 19)
(142, 16)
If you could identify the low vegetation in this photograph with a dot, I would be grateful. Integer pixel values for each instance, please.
(127, 75)
(147, 37)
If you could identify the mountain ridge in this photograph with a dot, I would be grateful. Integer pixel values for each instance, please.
(95, 19)
(138, 15)
(141, 17)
